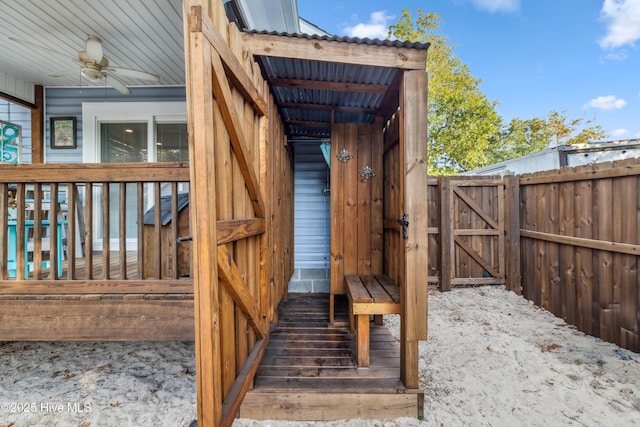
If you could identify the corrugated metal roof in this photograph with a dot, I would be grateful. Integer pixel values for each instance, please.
(357, 40)
(307, 110)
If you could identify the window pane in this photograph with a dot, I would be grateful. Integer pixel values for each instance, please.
(172, 144)
(123, 142)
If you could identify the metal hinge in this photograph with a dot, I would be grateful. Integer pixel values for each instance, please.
(404, 223)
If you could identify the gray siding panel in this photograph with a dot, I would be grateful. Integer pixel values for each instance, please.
(68, 102)
(311, 236)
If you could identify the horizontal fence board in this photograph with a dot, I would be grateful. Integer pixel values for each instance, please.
(95, 172)
(622, 248)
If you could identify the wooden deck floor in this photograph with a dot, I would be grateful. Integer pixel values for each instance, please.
(309, 372)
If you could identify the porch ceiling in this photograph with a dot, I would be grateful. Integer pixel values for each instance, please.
(146, 36)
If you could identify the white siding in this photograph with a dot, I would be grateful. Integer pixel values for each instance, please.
(311, 208)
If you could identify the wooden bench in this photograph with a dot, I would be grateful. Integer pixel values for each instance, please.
(369, 295)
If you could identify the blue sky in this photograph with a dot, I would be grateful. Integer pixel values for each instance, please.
(533, 56)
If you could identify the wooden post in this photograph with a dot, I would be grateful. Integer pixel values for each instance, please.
(512, 219)
(446, 234)
(413, 147)
(37, 126)
(202, 158)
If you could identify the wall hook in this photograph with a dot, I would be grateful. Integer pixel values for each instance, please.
(344, 156)
(367, 172)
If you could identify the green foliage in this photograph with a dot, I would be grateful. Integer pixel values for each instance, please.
(465, 131)
(462, 121)
(523, 137)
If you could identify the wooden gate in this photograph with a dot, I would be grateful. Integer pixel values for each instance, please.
(472, 231)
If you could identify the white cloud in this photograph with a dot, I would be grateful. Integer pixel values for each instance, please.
(376, 28)
(617, 56)
(619, 133)
(493, 6)
(608, 102)
(623, 23)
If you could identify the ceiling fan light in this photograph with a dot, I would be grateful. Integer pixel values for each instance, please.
(93, 76)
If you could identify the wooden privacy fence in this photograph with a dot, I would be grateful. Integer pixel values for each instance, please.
(580, 241)
(469, 231)
(567, 239)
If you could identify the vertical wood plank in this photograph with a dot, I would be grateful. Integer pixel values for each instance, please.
(362, 344)
(434, 231)
(237, 207)
(629, 285)
(88, 231)
(584, 256)
(265, 179)
(37, 126)
(141, 246)
(542, 265)
(72, 202)
(377, 189)
(157, 231)
(363, 207)
(173, 247)
(567, 266)
(512, 245)
(122, 235)
(224, 210)
(337, 217)
(350, 185)
(413, 149)
(552, 226)
(106, 231)
(527, 245)
(202, 158)
(447, 254)
(20, 235)
(37, 233)
(53, 232)
(605, 207)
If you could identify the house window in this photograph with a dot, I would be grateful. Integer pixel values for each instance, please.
(132, 132)
(138, 131)
(171, 142)
(123, 142)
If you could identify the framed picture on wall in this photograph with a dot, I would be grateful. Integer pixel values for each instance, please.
(63, 132)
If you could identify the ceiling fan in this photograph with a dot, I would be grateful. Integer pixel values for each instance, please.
(94, 66)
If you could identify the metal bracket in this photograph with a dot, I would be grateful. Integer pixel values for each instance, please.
(404, 223)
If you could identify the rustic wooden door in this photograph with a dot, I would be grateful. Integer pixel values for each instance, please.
(405, 216)
(472, 215)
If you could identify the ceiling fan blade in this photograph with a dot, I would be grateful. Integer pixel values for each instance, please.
(44, 49)
(67, 72)
(94, 48)
(134, 74)
(116, 83)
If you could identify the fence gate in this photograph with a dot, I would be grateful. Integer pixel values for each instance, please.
(472, 231)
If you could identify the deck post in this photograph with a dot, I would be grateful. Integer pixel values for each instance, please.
(202, 159)
(413, 296)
